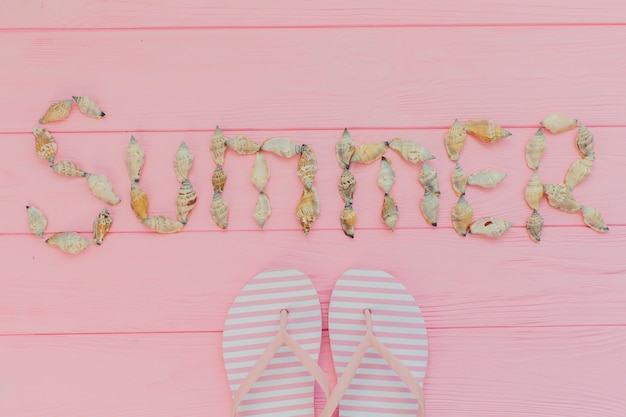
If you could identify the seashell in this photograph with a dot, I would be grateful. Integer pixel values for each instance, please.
(560, 196)
(347, 183)
(217, 146)
(454, 140)
(429, 206)
(411, 150)
(262, 210)
(219, 211)
(534, 191)
(162, 224)
(307, 166)
(486, 178)
(490, 226)
(68, 169)
(101, 226)
(138, 201)
(102, 188)
(578, 171)
(243, 146)
(183, 162)
(57, 111)
(486, 130)
(462, 216)
(535, 148)
(134, 159)
(344, 149)
(459, 180)
(557, 123)
(260, 172)
(45, 145)
(386, 175)
(69, 242)
(88, 107)
(347, 219)
(369, 152)
(282, 147)
(308, 209)
(593, 219)
(218, 179)
(389, 212)
(584, 141)
(37, 222)
(534, 225)
(185, 201)
(428, 179)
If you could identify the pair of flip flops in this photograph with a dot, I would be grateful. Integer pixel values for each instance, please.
(272, 337)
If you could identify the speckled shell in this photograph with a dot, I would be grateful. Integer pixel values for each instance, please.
(486, 130)
(139, 201)
(101, 226)
(135, 157)
(68, 169)
(458, 180)
(462, 216)
(69, 242)
(410, 150)
(183, 162)
(534, 191)
(217, 146)
(454, 140)
(429, 206)
(344, 149)
(593, 219)
(185, 201)
(347, 219)
(369, 152)
(243, 146)
(218, 179)
(57, 111)
(102, 188)
(37, 222)
(347, 184)
(584, 141)
(162, 224)
(262, 210)
(578, 171)
(219, 211)
(535, 148)
(389, 212)
(534, 226)
(88, 107)
(490, 226)
(307, 166)
(557, 123)
(308, 209)
(260, 174)
(560, 196)
(486, 178)
(282, 147)
(45, 145)
(428, 179)
(386, 175)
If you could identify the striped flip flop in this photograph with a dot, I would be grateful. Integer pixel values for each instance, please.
(271, 343)
(379, 347)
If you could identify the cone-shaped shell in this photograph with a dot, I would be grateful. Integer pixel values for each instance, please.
(560, 196)
(69, 242)
(454, 140)
(578, 171)
(37, 222)
(185, 201)
(557, 123)
(347, 219)
(534, 191)
(462, 216)
(219, 211)
(347, 184)
(68, 169)
(262, 209)
(593, 219)
(101, 226)
(282, 147)
(535, 148)
(218, 179)
(307, 166)
(429, 206)
(344, 149)
(458, 180)
(135, 156)
(490, 226)
(534, 226)
(369, 152)
(386, 175)
(243, 146)
(102, 188)
(428, 179)
(45, 145)
(486, 130)
(183, 162)
(162, 224)
(217, 146)
(57, 111)
(138, 201)
(584, 141)
(411, 150)
(260, 174)
(88, 107)
(308, 209)
(486, 178)
(389, 212)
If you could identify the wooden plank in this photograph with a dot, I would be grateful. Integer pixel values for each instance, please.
(471, 372)
(368, 77)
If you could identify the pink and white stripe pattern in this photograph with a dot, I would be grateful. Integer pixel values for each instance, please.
(285, 388)
(376, 390)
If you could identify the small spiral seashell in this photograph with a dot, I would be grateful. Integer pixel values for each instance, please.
(101, 226)
(57, 111)
(219, 211)
(138, 201)
(37, 222)
(183, 162)
(344, 149)
(386, 175)
(347, 184)
(68, 169)
(490, 226)
(560, 196)
(584, 141)
(534, 226)
(260, 174)
(429, 206)
(486, 130)
(347, 219)
(454, 140)
(428, 179)
(389, 212)
(135, 156)
(69, 242)
(218, 179)
(102, 188)
(45, 145)
(534, 191)
(88, 107)
(462, 216)
(535, 148)
(411, 150)
(282, 147)
(307, 166)
(593, 219)
(458, 180)
(369, 152)
(486, 178)
(578, 171)
(557, 123)
(262, 209)
(162, 224)
(185, 201)
(243, 146)
(217, 146)
(308, 209)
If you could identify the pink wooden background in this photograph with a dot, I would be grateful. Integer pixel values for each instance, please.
(133, 328)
